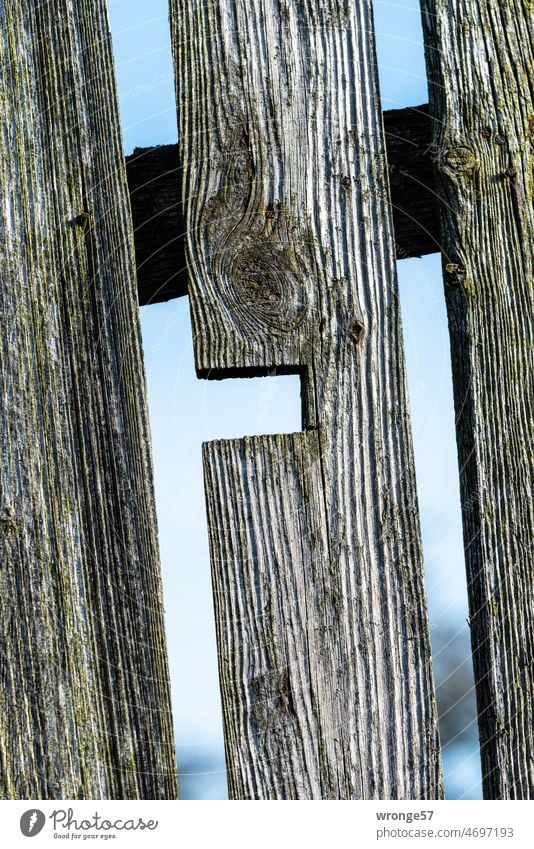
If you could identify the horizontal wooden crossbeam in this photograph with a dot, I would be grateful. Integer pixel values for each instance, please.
(154, 177)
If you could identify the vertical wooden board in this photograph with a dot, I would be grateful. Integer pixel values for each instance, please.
(155, 184)
(480, 61)
(321, 701)
(292, 266)
(270, 566)
(84, 694)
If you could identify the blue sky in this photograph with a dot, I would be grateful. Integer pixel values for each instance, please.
(185, 411)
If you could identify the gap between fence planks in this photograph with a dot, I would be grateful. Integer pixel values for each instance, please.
(155, 182)
(480, 61)
(321, 618)
(85, 707)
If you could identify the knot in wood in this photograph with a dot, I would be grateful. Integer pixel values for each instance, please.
(267, 288)
(460, 159)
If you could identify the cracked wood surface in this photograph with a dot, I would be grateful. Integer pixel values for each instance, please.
(480, 61)
(321, 618)
(155, 182)
(84, 695)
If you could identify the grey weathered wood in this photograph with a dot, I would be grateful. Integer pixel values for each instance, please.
(84, 691)
(321, 618)
(155, 182)
(480, 62)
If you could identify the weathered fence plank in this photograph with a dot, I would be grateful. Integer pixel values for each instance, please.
(84, 695)
(322, 626)
(480, 61)
(155, 182)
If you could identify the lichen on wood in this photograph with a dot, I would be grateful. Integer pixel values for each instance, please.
(84, 690)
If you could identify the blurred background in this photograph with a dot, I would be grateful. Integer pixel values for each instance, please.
(186, 412)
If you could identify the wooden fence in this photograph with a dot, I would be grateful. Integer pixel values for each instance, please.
(291, 205)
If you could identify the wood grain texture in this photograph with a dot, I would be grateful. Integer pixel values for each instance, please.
(321, 617)
(84, 691)
(480, 61)
(155, 183)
